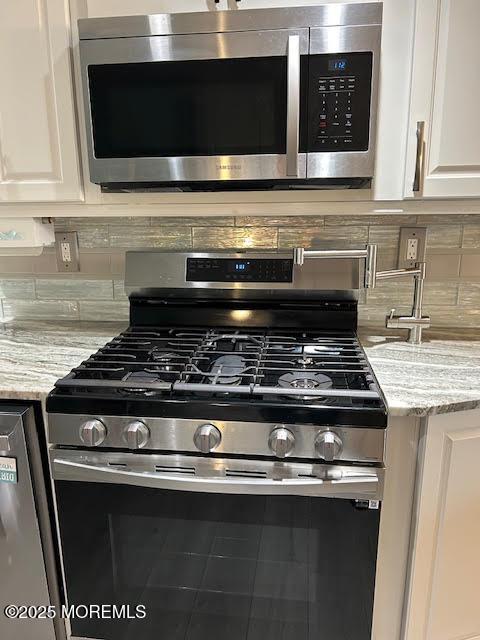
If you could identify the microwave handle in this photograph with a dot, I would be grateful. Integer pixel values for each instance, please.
(364, 486)
(293, 104)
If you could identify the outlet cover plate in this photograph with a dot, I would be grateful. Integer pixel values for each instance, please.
(406, 234)
(72, 239)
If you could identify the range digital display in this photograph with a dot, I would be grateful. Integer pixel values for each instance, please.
(241, 266)
(234, 270)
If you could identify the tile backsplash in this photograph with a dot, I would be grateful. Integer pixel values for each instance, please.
(32, 287)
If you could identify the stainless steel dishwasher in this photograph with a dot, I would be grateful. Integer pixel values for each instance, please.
(28, 574)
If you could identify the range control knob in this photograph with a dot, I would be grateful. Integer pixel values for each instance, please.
(93, 433)
(207, 438)
(281, 442)
(137, 434)
(328, 445)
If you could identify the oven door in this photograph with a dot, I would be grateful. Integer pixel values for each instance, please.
(204, 107)
(216, 548)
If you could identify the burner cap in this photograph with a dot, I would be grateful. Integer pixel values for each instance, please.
(304, 380)
(227, 370)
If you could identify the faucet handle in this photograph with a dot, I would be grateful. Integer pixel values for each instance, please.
(391, 321)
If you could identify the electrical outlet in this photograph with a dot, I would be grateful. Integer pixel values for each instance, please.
(65, 252)
(411, 247)
(66, 246)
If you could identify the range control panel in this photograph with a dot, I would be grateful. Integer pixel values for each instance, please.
(239, 270)
(339, 101)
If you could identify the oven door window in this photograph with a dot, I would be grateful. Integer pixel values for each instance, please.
(214, 566)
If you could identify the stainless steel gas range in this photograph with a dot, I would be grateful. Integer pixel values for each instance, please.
(221, 461)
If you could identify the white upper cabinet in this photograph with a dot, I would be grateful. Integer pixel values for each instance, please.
(38, 146)
(445, 96)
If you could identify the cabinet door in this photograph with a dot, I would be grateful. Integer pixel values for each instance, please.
(443, 598)
(445, 95)
(38, 147)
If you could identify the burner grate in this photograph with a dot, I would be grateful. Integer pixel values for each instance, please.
(205, 360)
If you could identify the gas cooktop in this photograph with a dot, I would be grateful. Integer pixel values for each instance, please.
(254, 373)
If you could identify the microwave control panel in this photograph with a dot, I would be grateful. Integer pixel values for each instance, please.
(339, 101)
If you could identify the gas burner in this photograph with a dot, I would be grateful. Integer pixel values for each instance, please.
(164, 358)
(140, 376)
(227, 370)
(304, 380)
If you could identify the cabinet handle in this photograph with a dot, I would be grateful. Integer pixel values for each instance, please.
(419, 178)
(293, 104)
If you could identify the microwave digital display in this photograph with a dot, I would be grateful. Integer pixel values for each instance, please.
(337, 64)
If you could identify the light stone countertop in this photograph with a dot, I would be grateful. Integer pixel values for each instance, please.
(439, 376)
(34, 355)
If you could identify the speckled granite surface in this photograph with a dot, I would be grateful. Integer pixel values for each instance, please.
(441, 375)
(33, 355)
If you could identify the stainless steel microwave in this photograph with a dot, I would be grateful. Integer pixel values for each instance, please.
(250, 99)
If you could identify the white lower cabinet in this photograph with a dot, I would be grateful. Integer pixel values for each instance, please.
(394, 536)
(443, 593)
(38, 146)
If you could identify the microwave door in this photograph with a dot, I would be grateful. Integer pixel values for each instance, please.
(204, 107)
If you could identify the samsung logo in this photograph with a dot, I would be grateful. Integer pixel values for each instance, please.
(229, 167)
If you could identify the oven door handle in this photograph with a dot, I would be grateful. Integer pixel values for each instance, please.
(366, 485)
(293, 105)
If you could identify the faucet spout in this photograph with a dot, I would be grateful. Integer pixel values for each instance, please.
(416, 321)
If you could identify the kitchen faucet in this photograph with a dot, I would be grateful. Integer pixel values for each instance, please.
(416, 321)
